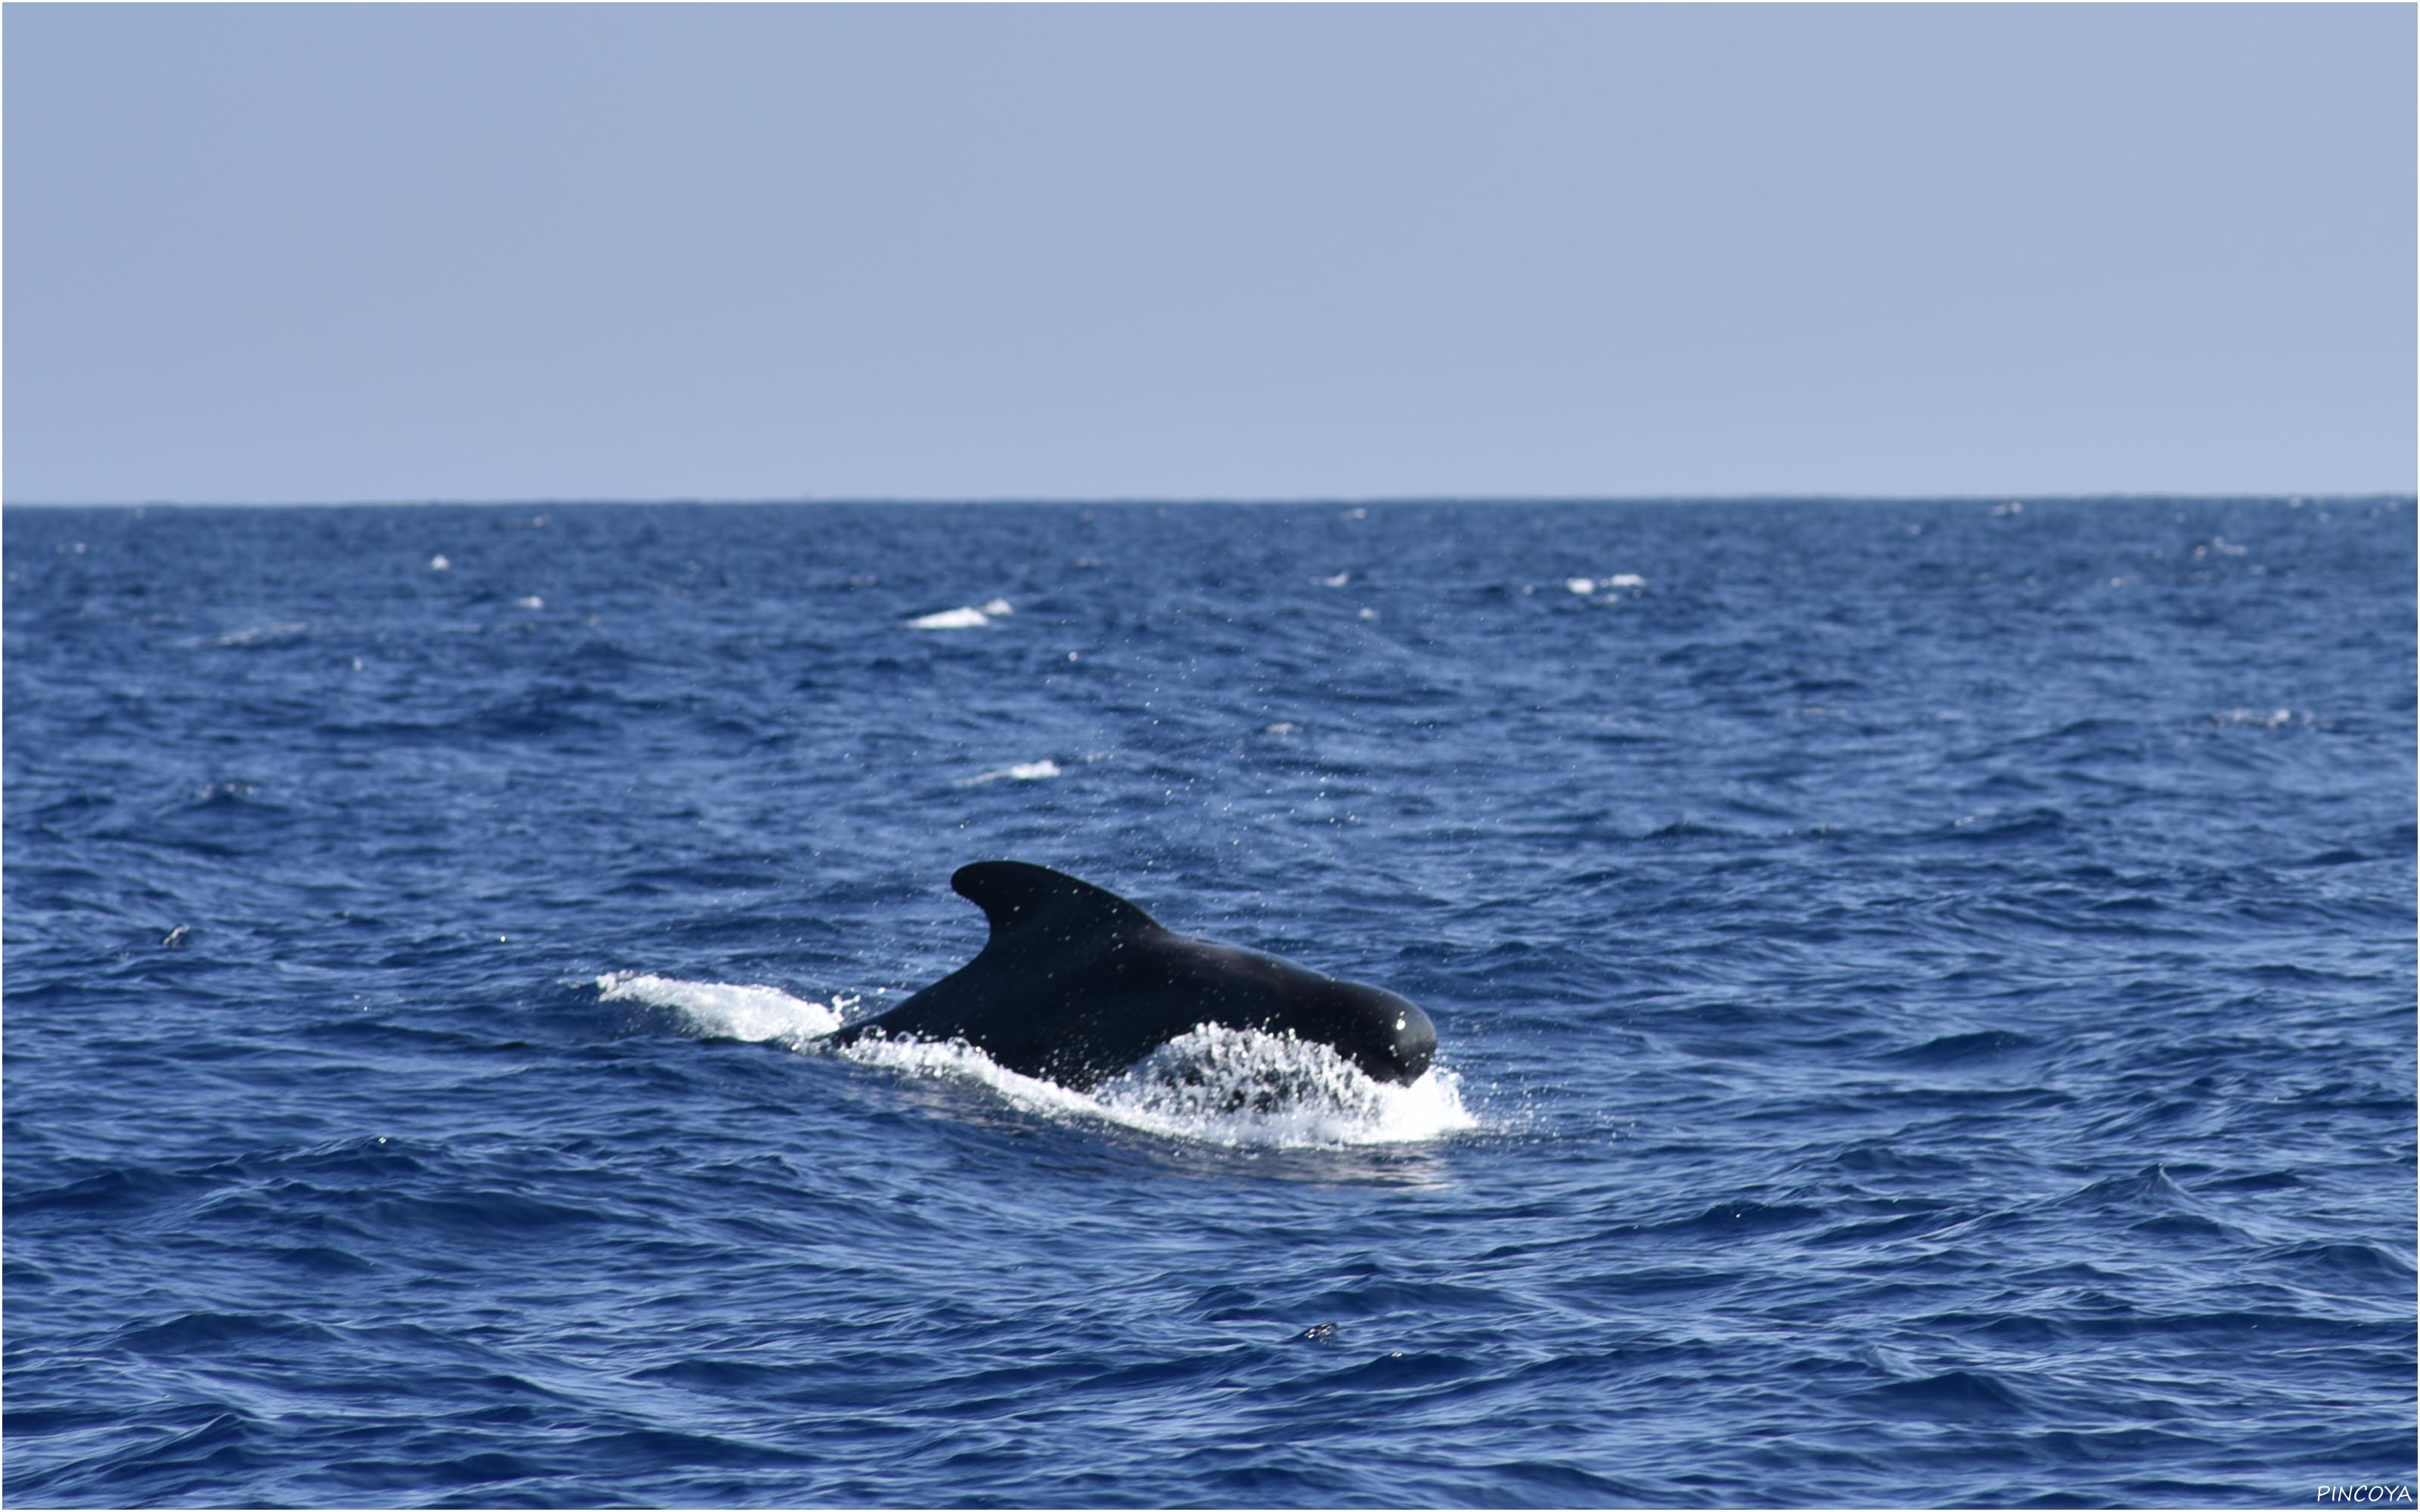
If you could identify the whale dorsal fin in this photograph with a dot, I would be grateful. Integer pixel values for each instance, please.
(1032, 907)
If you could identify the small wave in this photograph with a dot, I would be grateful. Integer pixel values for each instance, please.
(223, 795)
(1021, 772)
(324, 1259)
(2346, 1259)
(208, 1330)
(2003, 828)
(279, 633)
(125, 1190)
(2341, 855)
(1680, 829)
(2150, 1188)
(2254, 718)
(723, 1012)
(964, 618)
(1586, 586)
(1740, 1219)
(1952, 1394)
(1959, 1049)
(1215, 1085)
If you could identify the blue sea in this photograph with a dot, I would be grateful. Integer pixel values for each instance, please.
(1925, 995)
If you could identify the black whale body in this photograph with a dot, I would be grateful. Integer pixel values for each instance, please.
(1076, 985)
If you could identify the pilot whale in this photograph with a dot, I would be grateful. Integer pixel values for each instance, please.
(1076, 984)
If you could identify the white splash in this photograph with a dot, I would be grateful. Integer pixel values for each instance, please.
(723, 1011)
(1585, 586)
(1236, 1087)
(439, 563)
(951, 619)
(1337, 581)
(533, 601)
(964, 618)
(1021, 772)
(1220, 1086)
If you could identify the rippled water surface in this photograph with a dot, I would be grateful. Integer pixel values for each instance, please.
(1925, 995)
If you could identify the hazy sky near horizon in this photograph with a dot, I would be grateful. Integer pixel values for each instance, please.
(294, 254)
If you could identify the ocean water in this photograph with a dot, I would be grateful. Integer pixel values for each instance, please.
(1926, 998)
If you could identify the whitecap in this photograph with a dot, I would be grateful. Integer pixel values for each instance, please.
(965, 617)
(721, 1011)
(951, 619)
(1337, 581)
(1585, 586)
(439, 563)
(1021, 772)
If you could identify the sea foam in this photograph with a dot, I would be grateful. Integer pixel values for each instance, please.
(725, 1012)
(1233, 1087)
(1021, 772)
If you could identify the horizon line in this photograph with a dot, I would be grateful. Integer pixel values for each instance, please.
(1148, 501)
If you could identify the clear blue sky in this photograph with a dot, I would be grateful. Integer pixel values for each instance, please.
(287, 253)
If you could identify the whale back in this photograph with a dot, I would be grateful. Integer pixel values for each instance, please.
(1075, 984)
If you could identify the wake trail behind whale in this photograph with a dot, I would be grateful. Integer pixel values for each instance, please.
(1234, 1088)
(721, 1011)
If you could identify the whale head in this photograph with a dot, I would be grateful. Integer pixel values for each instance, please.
(1385, 1035)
